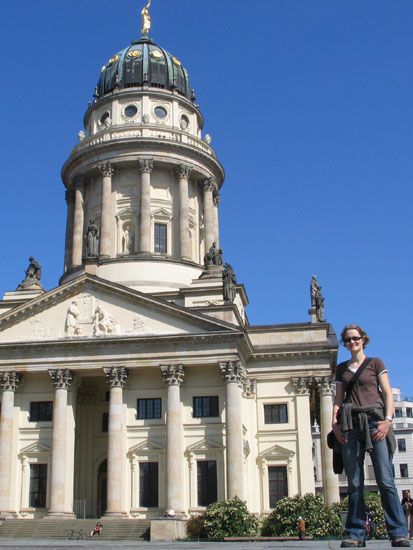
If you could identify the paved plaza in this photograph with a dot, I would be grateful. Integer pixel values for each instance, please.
(38, 544)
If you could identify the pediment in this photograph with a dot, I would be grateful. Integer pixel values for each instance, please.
(149, 445)
(205, 444)
(276, 452)
(94, 308)
(35, 448)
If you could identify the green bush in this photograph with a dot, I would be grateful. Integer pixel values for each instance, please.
(373, 505)
(321, 521)
(229, 518)
(195, 528)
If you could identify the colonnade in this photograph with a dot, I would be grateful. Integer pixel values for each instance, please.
(234, 376)
(76, 222)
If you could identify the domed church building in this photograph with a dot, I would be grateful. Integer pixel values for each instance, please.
(137, 387)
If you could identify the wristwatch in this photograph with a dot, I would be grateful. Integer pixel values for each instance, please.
(389, 418)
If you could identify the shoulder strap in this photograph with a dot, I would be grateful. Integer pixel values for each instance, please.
(356, 376)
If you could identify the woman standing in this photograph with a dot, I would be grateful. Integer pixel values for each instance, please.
(362, 420)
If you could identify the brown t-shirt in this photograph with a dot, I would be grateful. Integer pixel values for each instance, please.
(366, 391)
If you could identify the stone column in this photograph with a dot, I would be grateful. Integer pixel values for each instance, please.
(116, 378)
(302, 387)
(209, 226)
(145, 167)
(217, 202)
(173, 376)
(9, 382)
(61, 496)
(107, 172)
(234, 375)
(183, 173)
(331, 490)
(77, 245)
(69, 229)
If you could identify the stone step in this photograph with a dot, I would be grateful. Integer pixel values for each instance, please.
(61, 529)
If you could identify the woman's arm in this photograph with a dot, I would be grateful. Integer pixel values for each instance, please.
(338, 401)
(383, 427)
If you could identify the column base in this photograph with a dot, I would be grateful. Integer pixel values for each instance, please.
(60, 515)
(115, 515)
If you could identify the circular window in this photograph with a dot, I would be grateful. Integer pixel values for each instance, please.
(184, 122)
(161, 112)
(130, 111)
(104, 118)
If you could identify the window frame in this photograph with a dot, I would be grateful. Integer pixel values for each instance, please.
(404, 470)
(158, 224)
(400, 443)
(272, 468)
(39, 409)
(206, 404)
(204, 482)
(156, 401)
(274, 415)
(148, 487)
(38, 496)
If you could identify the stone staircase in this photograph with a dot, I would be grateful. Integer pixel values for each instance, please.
(125, 529)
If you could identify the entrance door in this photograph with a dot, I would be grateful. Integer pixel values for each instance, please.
(102, 487)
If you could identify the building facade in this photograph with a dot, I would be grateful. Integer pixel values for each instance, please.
(138, 385)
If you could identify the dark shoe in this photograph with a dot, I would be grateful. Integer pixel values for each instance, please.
(401, 542)
(353, 543)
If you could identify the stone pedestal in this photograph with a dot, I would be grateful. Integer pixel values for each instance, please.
(167, 529)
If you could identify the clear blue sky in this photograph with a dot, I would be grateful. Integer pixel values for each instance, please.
(309, 103)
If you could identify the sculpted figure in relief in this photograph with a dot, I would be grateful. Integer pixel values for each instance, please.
(229, 280)
(102, 322)
(213, 256)
(71, 328)
(92, 239)
(127, 241)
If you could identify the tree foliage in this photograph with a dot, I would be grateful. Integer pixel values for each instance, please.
(374, 506)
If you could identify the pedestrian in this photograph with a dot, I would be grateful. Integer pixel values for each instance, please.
(96, 530)
(407, 505)
(362, 421)
(301, 528)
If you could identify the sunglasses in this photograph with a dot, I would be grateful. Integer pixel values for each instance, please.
(354, 338)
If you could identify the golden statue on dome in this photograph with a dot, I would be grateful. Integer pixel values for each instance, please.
(146, 18)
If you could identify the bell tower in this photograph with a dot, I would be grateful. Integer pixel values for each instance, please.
(142, 184)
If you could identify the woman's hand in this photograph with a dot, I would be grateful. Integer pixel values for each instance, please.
(341, 438)
(383, 428)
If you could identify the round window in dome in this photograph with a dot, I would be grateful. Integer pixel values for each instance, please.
(104, 118)
(184, 122)
(161, 112)
(131, 111)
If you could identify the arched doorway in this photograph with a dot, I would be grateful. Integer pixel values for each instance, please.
(102, 484)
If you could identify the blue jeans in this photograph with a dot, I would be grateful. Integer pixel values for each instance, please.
(353, 458)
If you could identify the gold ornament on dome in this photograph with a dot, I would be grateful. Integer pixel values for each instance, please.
(176, 61)
(156, 54)
(134, 53)
(103, 69)
(113, 60)
(146, 18)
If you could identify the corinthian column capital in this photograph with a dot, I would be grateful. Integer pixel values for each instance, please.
(61, 378)
(10, 380)
(210, 185)
(302, 385)
(183, 171)
(233, 371)
(106, 169)
(146, 165)
(325, 385)
(116, 376)
(173, 374)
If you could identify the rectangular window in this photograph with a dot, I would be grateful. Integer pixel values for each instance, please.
(207, 482)
(161, 243)
(38, 485)
(398, 413)
(41, 411)
(105, 422)
(277, 481)
(404, 470)
(401, 445)
(149, 408)
(276, 414)
(148, 484)
(205, 406)
(409, 412)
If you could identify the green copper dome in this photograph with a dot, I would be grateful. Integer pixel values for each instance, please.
(143, 64)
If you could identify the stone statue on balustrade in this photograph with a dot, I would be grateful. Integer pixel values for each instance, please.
(213, 256)
(92, 240)
(229, 284)
(317, 301)
(33, 276)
